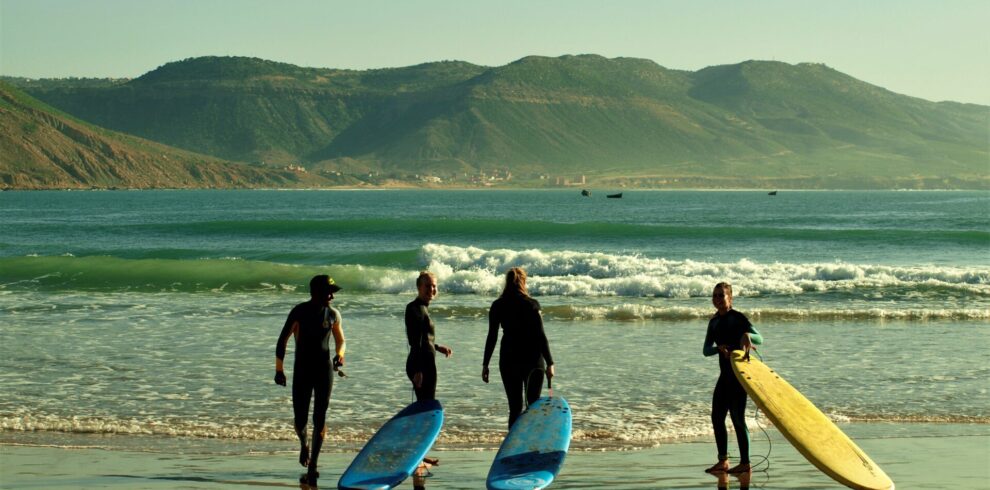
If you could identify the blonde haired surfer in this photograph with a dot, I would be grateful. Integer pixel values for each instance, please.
(729, 330)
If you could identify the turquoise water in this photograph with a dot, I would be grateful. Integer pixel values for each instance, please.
(152, 315)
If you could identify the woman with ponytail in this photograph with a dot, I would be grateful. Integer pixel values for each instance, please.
(524, 356)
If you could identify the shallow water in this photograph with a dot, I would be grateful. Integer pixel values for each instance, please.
(154, 314)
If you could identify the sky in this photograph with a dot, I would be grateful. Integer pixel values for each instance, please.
(935, 49)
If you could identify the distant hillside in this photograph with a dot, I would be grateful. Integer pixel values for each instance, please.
(41, 148)
(617, 121)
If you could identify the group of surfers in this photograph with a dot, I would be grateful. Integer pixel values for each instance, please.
(524, 359)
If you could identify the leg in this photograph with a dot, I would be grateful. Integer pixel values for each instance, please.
(321, 402)
(428, 390)
(422, 471)
(513, 384)
(720, 408)
(302, 390)
(534, 385)
(737, 411)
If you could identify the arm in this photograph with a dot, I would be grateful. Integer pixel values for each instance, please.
(749, 338)
(414, 334)
(709, 349)
(544, 344)
(490, 341)
(446, 350)
(338, 339)
(492, 338)
(542, 339)
(291, 326)
(754, 335)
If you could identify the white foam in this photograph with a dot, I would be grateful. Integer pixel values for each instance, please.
(473, 270)
(630, 311)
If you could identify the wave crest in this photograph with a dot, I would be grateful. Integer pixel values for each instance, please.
(472, 270)
(568, 273)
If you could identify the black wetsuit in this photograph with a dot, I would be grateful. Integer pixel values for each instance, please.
(525, 351)
(312, 371)
(422, 351)
(729, 396)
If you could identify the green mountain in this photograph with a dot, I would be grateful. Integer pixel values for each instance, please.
(42, 148)
(618, 121)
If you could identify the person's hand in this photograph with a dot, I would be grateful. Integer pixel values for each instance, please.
(747, 345)
(745, 342)
(446, 351)
(484, 374)
(724, 349)
(418, 380)
(550, 373)
(338, 364)
(280, 378)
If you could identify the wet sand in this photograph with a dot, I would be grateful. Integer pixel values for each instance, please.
(914, 455)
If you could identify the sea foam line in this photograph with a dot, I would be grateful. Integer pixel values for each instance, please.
(587, 434)
(568, 273)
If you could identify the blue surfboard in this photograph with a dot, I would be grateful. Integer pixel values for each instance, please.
(533, 452)
(396, 450)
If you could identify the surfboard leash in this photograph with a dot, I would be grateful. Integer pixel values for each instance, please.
(529, 377)
(756, 418)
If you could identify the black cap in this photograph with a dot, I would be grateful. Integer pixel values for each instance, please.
(321, 284)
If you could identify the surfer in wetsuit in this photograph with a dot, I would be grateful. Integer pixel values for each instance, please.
(312, 324)
(421, 365)
(729, 330)
(525, 352)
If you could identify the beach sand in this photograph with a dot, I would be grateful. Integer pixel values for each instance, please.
(914, 455)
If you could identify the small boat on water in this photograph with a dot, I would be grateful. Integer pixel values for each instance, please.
(585, 193)
(772, 193)
(614, 196)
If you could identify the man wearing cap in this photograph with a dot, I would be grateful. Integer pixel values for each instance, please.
(311, 324)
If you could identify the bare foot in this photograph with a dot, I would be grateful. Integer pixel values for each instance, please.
(309, 478)
(719, 467)
(304, 456)
(741, 468)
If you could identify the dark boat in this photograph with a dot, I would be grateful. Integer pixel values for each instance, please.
(772, 193)
(585, 192)
(614, 196)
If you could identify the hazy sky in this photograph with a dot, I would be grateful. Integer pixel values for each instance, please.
(937, 49)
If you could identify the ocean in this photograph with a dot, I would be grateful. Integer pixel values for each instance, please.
(147, 320)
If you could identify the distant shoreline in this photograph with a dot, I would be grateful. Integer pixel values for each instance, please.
(593, 189)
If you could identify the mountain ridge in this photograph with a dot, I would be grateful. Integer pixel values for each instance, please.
(619, 121)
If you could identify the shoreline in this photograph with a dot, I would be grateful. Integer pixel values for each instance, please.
(494, 188)
(914, 455)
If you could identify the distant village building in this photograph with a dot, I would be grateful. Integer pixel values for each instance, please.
(581, 180)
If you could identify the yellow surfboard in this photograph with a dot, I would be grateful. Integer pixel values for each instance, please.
(807, 428)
